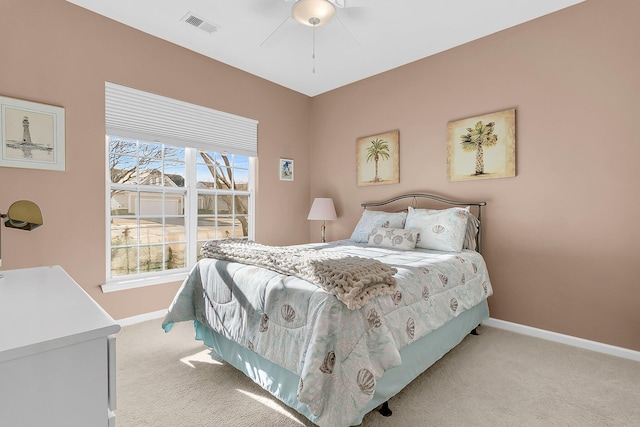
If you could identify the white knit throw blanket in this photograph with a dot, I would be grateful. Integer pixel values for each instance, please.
(353, 280)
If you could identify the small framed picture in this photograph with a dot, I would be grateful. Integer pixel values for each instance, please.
(286, 170)
(32, 135)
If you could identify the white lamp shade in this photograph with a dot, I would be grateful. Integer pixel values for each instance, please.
(322, 209)
(313, 12)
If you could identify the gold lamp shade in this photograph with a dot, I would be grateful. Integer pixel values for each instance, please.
(24, 215)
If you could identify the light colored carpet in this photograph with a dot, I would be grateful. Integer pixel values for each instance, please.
(496, 379)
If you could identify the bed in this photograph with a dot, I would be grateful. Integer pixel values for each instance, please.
(335, 330)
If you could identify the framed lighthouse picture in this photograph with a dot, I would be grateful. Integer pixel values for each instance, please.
(32, 135)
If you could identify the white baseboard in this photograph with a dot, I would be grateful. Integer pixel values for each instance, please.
(142, 318)
(564, 339)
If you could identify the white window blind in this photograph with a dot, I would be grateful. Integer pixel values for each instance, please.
(133, 113)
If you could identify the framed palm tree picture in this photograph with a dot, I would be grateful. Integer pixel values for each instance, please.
(482, 147)
(378, 159)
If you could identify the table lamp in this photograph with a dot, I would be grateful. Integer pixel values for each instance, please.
(322, 209)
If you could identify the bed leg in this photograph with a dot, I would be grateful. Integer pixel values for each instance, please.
(475, 331)
(384, 409)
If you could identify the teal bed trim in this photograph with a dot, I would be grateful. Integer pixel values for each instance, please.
(283, 383)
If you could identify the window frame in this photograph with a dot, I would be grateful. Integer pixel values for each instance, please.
(191, 215)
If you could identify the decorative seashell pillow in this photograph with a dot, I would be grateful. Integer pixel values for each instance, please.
(396, 238)
(441, 230)
(471, 235)
(373, 219)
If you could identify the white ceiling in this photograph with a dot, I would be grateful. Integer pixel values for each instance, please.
(368, 37)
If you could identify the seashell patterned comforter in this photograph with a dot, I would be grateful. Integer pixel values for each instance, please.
(337, 353)
(353, 280)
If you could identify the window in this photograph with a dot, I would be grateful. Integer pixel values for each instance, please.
(224, 196)
(172, 189)
(150, 208)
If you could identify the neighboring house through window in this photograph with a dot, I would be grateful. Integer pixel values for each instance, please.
(167, 196)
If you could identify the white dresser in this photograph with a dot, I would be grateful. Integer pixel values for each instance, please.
(57, 352)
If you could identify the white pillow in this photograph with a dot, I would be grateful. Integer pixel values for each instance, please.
(473, 224)
(373, 219)
(442, 230)
(396, 238)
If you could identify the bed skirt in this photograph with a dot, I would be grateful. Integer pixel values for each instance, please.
(283, 383)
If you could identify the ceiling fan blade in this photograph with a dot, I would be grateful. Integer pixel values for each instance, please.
(359, 3)
(337, 3)
(354, 3)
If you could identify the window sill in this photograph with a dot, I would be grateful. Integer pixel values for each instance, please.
(121, 285)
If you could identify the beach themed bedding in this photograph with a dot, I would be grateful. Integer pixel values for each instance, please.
(338, 352)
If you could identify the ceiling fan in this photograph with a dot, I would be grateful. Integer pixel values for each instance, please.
(318, 12)
(315, 13)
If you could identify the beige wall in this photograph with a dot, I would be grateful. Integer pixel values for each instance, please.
(559, 237)
(57, 53)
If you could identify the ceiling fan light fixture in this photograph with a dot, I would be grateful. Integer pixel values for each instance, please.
(313, 12)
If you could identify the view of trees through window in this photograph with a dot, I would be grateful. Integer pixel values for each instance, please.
(155, 225)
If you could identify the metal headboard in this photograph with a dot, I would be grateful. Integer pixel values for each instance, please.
(416, 196)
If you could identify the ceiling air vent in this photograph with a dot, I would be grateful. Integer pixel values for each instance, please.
(198, 22)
